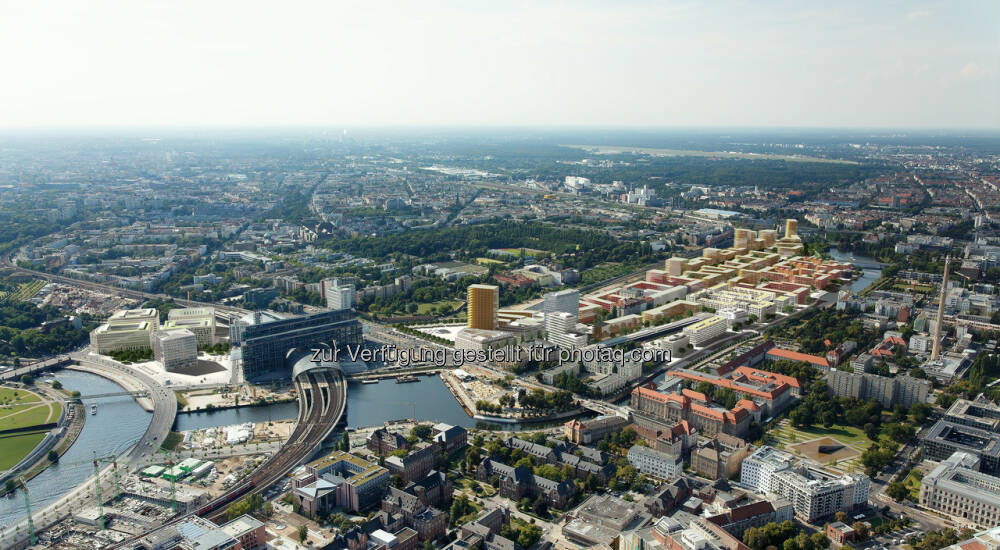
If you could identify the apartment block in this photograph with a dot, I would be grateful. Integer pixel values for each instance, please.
(814, 492)
(656, 463)
(900, 390)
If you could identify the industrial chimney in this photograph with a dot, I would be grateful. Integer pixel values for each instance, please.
(936, 350)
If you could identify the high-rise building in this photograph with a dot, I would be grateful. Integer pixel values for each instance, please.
(483, 304)
(791, 228)
(561, 328)
(565, 301)
(261, 347)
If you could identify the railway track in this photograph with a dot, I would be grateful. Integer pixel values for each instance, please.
(321, 405)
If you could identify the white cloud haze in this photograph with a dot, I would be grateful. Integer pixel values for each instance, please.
(630, 63)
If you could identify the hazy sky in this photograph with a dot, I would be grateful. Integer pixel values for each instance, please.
(471, 62)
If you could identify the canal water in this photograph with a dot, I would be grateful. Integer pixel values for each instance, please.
(871, 269)
(367, 405)
(118, 424)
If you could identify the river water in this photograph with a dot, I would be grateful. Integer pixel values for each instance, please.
(871, 269)
(118, 424)
(367, 405)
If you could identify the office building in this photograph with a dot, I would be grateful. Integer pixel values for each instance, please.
(565, 301)
(981, 414)
(561, 329)
(148, 315)
(737, 520)
(956, 487)
(600, 520)
(656, 463)
(339, 480)
(695, 408)
(519, 482)
(195, 533)
(945, 438)
(483, 303)
(200, 321)
(175, 349)
(983, 540)
(422, 458)
(339, 294)
(261, 347)
(122, 335)
(771, 392)
(901, 390)
(813, 492)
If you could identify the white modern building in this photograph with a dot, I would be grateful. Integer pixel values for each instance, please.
(149, 315)
(175, 349)
(814, 492)
(198, 320)
(656, 463)
(565, 301)
(706, 330)
(339, 295)
(562, 330)
(121, 335)
(675, 343)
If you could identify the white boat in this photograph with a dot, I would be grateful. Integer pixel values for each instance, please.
(93, 409)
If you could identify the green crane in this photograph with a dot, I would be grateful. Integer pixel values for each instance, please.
(27, 507)
(97, 489)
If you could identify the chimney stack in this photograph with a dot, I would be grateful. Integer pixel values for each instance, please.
(936, 350)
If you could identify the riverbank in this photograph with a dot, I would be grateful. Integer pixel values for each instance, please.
(468, 403)
(72, 423)
(251, 405)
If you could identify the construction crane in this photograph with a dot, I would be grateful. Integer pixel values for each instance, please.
(113, 460)
(97, 489)
(173, 486)
(27, 507)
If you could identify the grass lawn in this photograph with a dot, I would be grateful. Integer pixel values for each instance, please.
(25, 409)
(422, 309)
(846, 434)
(171, 441)
(526, 251)
(23, 416)
(10, 396)
(488, 261)
(913, 484)
(14, 447)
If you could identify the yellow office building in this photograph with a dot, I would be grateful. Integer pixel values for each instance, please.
(483, 304)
